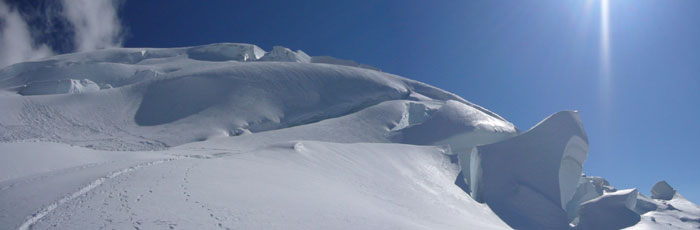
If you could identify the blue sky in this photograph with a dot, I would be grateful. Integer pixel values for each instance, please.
(522, 60)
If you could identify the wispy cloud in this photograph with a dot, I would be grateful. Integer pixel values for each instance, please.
(16, 43)
(94, 25)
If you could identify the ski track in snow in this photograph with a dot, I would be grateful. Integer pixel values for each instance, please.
(36, 217)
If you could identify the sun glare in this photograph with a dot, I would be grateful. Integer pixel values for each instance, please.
(605, 41)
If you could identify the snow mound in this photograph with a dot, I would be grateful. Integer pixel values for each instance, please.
(59, 87)
(284, 54)
(528, 179)
(610, 211)
(663, 191)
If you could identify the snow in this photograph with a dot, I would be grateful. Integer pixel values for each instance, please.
(29, 158)
(604, 207)
(59, 87)
(662, 190)
(225, 52)
(161, 98)
(337, 61)
(674, 213)
(229, 136)
(588, 188)
(284, 54)
(285, 185)
(613, 210)
(528, 179)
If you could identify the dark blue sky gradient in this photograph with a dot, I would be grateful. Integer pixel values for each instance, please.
(522, 60)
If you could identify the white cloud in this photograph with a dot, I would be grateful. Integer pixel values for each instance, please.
(95, 23)
(16, 43)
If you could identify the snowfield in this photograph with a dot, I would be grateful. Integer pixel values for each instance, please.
(229, 136)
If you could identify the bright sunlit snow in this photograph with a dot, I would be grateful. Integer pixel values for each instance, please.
(229, 136)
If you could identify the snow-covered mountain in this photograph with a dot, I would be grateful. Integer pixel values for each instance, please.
(229, 136)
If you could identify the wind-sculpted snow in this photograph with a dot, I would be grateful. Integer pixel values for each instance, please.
(154, 98)
(528, 179)
(263, 96)
(613, 210)
(225, 52)
(239, 138)
(662, 190)
(588, 189)
(280, 53)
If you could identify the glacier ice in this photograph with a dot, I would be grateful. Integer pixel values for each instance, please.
(528, 179)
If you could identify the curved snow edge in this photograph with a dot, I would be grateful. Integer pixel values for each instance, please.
(528, 179)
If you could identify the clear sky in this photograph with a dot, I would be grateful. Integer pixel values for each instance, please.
(524, 60)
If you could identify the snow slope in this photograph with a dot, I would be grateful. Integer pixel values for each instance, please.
(668, 212)
(158, 98)
(286, 185)
(229, 136)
